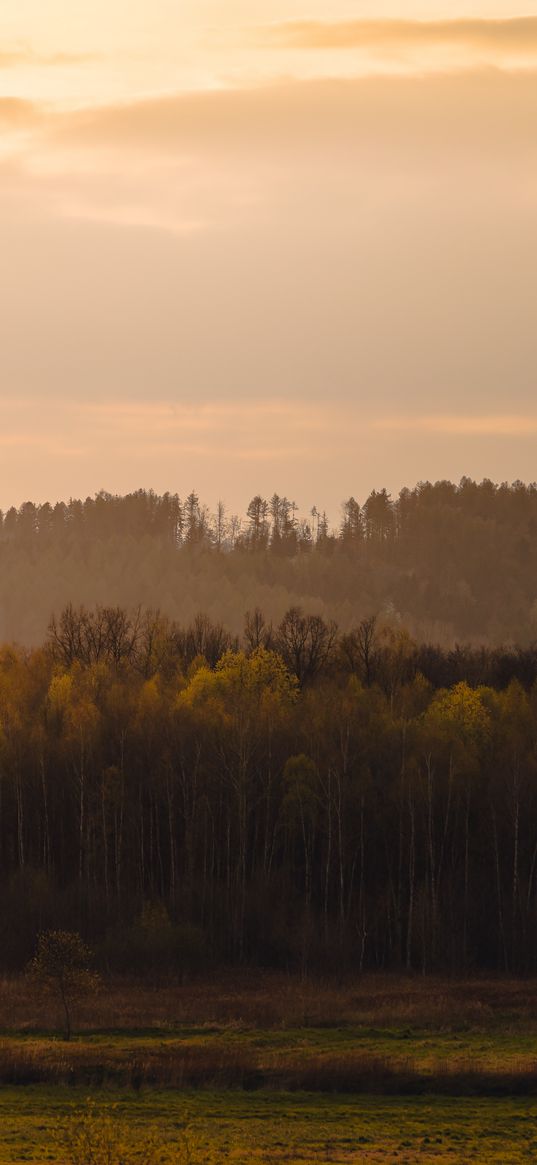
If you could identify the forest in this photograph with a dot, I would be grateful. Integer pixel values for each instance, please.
(295, 796)
(450, 563)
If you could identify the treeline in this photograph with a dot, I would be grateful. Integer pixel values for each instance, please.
(294, 797)
(451, 562)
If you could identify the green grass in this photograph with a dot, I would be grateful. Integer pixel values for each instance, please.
(254, 1129)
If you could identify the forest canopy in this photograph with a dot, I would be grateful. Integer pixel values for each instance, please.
(295, 796)
(448, 562)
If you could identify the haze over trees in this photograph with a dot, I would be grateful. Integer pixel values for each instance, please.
(450, 563)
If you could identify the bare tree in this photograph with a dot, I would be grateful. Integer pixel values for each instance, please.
(306, 643)
(359, 649)
(257, 632)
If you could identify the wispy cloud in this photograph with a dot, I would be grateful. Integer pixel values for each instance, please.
(123, 443)
(25, 55)
(461, 426)
(518, 35)
(191, 164)
(131, 216)
(253, 428)
(369, 245)
(262, 425)
(15, 111)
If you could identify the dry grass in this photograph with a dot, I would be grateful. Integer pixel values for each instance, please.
(373, 1035)
(40, 1062)
(274, 1001)
(178, 1066)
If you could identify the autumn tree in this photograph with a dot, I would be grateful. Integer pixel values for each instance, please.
(62, 966)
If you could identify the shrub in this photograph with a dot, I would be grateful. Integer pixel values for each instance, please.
(95, 1136)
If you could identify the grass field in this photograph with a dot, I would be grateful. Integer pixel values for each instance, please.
(254, 1129)
(354, 1059)
(284, 1072)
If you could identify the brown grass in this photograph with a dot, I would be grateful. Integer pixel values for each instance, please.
(271, 1001)
(142, 1037)
(202, 1067)
(40, 1062)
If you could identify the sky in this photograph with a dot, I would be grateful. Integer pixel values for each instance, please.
(255, 247)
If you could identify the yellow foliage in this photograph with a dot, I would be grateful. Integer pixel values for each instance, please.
(150, 697)
(460, 710)
(60, 692)
(260, 675)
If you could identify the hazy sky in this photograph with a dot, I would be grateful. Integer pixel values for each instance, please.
(252, 246)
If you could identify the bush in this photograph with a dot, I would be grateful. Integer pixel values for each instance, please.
(95, 1136)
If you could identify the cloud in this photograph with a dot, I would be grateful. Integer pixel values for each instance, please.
(190, 164)
(52, 447)
(131, 216)
(518, 35)
(251, 427)
(370, 244)
(485, 106)
(128, 442)
(247, 431)
(15, 112)
(24, 56)
(461, 426)
(316, 422)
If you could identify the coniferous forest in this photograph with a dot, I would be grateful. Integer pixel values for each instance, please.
(451, 563)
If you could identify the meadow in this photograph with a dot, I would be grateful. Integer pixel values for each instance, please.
(286, 1129)
(260, 1069)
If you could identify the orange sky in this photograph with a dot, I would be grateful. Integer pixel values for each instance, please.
(257, 247)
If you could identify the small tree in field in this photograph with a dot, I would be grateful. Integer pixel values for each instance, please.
(62, 966)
